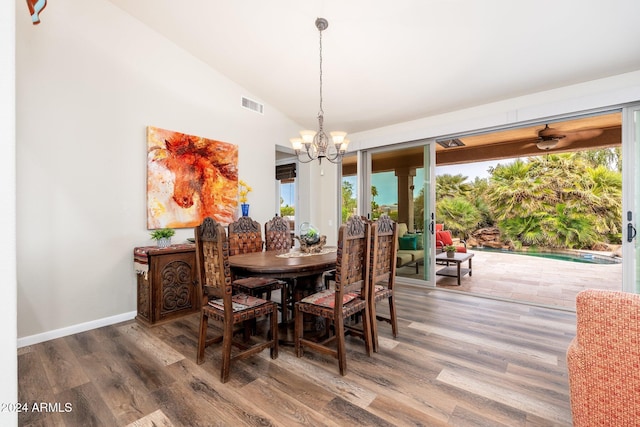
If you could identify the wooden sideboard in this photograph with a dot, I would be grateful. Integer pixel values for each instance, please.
(168, 290)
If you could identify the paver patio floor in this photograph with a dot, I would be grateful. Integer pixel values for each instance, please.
(529, 279)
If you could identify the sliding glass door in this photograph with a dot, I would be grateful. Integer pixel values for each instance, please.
(398, 183)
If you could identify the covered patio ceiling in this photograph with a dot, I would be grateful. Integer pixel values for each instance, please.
(584, 133)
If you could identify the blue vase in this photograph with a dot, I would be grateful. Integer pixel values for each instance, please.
(245, 209)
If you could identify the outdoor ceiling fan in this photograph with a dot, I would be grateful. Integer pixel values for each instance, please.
(549, 138)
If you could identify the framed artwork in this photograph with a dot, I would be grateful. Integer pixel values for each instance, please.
(188, 179)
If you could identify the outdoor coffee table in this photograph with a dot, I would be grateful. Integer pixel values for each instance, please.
(457, 259)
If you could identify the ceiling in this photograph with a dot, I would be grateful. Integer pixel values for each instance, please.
(600, 131)
(584, 133)
(389, 62)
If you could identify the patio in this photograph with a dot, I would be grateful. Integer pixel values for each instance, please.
(529, 279)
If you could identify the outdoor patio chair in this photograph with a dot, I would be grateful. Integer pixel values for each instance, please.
(444, 238)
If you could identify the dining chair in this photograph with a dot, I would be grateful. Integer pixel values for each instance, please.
(277, 234)
(350, 296)
(220, 304)
(277, 237)
(245, 236)
(382, 275)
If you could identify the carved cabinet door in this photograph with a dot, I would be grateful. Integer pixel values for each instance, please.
(169, 290)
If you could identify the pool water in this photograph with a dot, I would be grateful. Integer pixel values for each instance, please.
(572, 256)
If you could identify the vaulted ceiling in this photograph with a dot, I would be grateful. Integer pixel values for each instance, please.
(388, 62)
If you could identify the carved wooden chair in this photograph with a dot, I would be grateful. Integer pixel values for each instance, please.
(277, 237)
(384, 241)
(218, 303)
(350, 296)
(245, 236)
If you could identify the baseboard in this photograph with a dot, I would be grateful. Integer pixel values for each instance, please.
(74, 329)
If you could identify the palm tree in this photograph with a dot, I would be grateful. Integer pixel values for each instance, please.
(451, 186)
(458, 214)
(375, 213)
(557, 200)
(349, 202)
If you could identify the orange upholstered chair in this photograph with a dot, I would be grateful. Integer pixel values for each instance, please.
(443, 238)
(603, 359)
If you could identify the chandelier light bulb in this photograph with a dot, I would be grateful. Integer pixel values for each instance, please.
(296, 143)
(307, 136)
(338, 137)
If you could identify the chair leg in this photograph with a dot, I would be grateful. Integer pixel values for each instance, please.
(274, 332)
(340, 341)
(249, 328)
(284, 302)
(226, 352)
(393, 317)
(202, 337)
(373, 324)
(298, 325)
(367, 321)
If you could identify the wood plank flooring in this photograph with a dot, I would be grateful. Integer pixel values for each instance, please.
(459, 360)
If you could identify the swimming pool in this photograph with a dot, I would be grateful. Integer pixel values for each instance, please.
(572, 256)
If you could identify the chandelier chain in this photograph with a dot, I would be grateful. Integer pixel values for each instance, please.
(321, 110)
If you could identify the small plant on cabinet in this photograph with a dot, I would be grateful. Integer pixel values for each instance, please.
(162, 233)
(163, 236)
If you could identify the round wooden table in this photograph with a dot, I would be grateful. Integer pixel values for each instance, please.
(283, 266)
(303, 271)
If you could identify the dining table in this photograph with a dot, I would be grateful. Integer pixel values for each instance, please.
(302, 271)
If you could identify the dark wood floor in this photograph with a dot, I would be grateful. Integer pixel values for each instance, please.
(459, 361)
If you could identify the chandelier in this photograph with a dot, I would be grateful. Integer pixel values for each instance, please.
(316, 145)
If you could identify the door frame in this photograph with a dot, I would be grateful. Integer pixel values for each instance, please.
(364, 200)
(630, 197)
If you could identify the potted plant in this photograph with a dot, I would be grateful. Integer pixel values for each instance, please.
(450, 250)
(163, 236)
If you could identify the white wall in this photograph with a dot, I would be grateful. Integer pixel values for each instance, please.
(89, 80)
(318, 198)
(8, 331)
(612, 91)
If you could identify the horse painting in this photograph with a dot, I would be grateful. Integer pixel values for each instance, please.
(189, 178)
